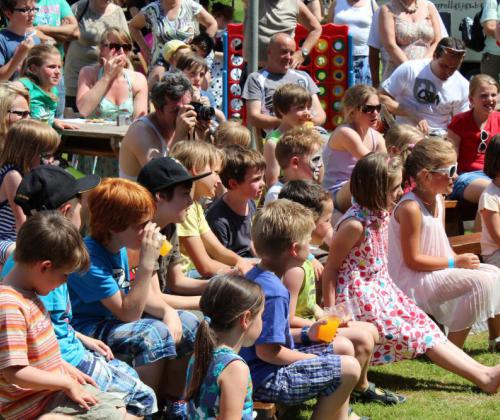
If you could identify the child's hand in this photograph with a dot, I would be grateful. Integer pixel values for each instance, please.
(244, 266)
(314, 329)
(113, 67)
(25, 46)
(318, 269)
(99, 347)
(174, 324)
(78, 375)
(79, 394)
(185, 121)
(150, 246)
(467, 261)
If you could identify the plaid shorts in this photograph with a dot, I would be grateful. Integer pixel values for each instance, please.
(117, 376)
(147, 340)
(303, 380)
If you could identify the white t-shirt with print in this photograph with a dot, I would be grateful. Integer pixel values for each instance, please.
(490, 200)
(416, 87)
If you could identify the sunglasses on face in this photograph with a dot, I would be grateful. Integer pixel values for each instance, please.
(116, 46)
(370, 109)
(22, 114)
(484, 136)
(26, 10)
(450, 170)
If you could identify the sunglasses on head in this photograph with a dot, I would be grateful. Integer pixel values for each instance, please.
(484, 136)
(450, 170)
(22, 114)
(453, 51)
(116, 46)
(369, 109)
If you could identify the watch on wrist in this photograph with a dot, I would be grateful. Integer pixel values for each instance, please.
(304, 51)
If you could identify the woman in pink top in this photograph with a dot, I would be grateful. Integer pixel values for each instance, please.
(471, 132)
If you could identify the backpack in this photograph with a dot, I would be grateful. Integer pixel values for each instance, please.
(472, 32)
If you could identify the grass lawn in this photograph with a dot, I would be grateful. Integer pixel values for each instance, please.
(432, 392)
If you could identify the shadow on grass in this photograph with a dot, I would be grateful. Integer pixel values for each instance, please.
(404, 383)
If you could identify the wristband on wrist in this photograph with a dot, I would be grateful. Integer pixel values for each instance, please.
(310, 257)
(304, 336)
(451, 262)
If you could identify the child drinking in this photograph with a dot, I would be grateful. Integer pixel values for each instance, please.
(42, 72)
(456, 290)
(356, 270)
(489, 205)
(219, 382)
(26, 143)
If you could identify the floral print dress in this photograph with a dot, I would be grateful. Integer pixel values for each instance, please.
(405, 330)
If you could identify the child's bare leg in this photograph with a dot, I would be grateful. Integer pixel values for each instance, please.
(451, 358)
(152, 374)
(175, 377)
(362, 341)
(129, 416)
(368, 327)
(343, 346)
(458, 337)
(336, 405)
(343, 198)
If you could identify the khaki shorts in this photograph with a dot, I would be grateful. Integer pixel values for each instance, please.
(107, 407)
(493, 259)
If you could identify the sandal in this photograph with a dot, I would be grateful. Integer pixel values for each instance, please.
(494, 345)
(351, 412)
(378, 395)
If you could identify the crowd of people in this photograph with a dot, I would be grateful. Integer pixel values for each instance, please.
(194, 274)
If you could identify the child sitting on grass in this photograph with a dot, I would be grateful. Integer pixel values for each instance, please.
(230, 216)
(292, 104)
(299, 156)
(33, 378)
(282, 371)
(203, 253)
(219, 382)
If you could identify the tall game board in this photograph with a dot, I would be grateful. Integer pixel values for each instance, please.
(329, 64)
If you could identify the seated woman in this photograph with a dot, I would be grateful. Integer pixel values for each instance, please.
(14, 106)
(111, 88)
(471, 132)
(351, 141)
(409, 30)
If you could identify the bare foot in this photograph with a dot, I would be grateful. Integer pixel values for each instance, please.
(491, 380)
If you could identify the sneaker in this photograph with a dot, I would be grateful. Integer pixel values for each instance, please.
(175, 410)
(378, 395)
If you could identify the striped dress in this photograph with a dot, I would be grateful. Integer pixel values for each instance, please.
(7, 219)
(26, 339)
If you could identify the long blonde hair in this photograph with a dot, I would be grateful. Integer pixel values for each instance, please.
(122, 37)
(355, 97)
(8, 93)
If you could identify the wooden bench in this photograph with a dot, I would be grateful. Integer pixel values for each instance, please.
(456, 213)
(466, 243)
(265, 410)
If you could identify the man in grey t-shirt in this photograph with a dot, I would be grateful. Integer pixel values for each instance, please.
(261, 85)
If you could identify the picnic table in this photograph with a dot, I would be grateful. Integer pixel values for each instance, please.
(92, 138)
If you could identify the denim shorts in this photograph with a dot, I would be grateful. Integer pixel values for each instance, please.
(463, 181)
(146, 340)
(303, 380)
(117, 376)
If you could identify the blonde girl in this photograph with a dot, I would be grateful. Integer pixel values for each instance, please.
(14, 106)
(41, 74)
(457, 290)
(357, 270)
(26, 143)
(232, 132)
(352, 140)
(219, 383)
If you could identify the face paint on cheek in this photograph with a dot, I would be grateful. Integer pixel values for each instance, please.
(316, 163)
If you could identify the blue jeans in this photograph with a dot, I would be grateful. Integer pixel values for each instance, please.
(61, 88)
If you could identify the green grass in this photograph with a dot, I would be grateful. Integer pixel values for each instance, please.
(433, 393)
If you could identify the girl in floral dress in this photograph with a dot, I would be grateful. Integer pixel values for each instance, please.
(356, 270)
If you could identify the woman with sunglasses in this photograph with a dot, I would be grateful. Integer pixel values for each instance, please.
(470, 133)
(456, 289)
(14, 106)
(111, 88)
(94, 17)
(351, 141)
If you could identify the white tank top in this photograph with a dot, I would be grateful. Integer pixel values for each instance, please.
(359, 20)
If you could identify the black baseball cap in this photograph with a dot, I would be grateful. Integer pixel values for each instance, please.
(161, 173)
(48, 187)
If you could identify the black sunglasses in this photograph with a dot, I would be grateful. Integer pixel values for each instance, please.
(484, 136)
(22, 114)
(115, 46)
(26, 9)
(369, 109)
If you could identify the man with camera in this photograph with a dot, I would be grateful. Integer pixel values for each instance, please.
(175, 117)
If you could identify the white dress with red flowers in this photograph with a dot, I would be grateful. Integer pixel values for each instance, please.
(405, 330)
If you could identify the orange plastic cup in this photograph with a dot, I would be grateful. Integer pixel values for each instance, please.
(166, 247)
(327, 331)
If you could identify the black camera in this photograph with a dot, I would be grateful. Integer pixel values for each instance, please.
(203, 113)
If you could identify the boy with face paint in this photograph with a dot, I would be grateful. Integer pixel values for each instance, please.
(299, 155)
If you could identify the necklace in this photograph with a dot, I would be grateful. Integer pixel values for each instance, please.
(408, 9)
